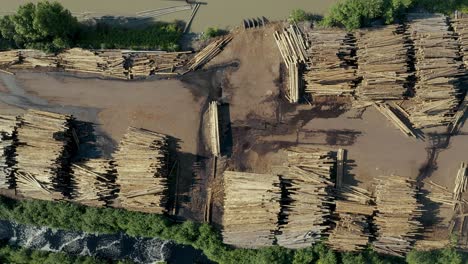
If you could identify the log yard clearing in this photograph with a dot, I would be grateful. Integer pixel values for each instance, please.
(281, 134)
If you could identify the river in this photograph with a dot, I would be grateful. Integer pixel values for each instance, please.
(213, 13)
(115, 246)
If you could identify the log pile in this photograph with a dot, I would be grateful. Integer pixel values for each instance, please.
(113, 63)
(292, 47)
(251, 208)
(8, 58)
(209, 52)
(92, 182)
(382, 63)
(44, 147)
(398, 213)
(214, 129)
(142, 166)
(307, 209)
(36, 58)
(146, 64)
(352, 214)
(331, 67)
(7, 130)
(461, 182)
(437, 68)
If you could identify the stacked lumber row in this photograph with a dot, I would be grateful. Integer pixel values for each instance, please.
(8, 58)
(382, 63)
(292, 47)
(394, 113)
(214, 129)
(398, 213)
(44, 141)
(145, 64)
(307, 209)
(438, 70)
(92, 182)
(461, 182)
(36, 58)
(352, 214)
(80, 60)
(251, 209)
(7, 129)
(330, 69)
(141, 162)
(209, 52)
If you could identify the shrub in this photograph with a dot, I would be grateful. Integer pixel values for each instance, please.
(298, 15)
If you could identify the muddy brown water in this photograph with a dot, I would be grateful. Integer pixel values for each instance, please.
(213, 13)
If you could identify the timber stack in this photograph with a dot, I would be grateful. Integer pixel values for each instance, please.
(92, 182)
(114, 63)
(146, 64)
(42, 153)
(398, 214)
(209, 52)
(8, 58)
(382, 63)
(142, 165)
(351, 218)
(35, 58)
(331, 68)
(251, 208)
(307, 179)
(438, 70)
(292, 46)
(7, 132)
(461, 182)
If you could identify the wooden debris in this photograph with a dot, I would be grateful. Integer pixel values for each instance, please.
(437, 68)
(214, 129)
(382, 63)
(308, 181)
(292, 47)
(440, 194)
(251, 208)
(352, 214)
(331, 67)
(141, 162)
(209, 52)
(460, 116)
(44, 147)
(92, 182)
(393, 114)
(36, 58)
(398, 214)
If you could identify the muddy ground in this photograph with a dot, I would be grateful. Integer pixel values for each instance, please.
(257, 123)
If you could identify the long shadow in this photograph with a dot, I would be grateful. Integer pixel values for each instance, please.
(225, 130)
(438, 142)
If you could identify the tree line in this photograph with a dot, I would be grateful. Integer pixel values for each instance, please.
(354, 14)
(50, 27)
(70, 216)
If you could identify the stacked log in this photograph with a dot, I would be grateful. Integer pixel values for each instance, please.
(437, 68)
(382, 59)
(43, 150)
(209, 52)
(36, 58)
(461, 182)
(145, 64)
(113, 63)
(330, 69)
(80, 60)
(292, 47)
(7, 131)
(251, 208)
(141, 162)
(92, 182)
(8, 58)
(214, 129)
(352, 214)
(307, 209)
(398, 213)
